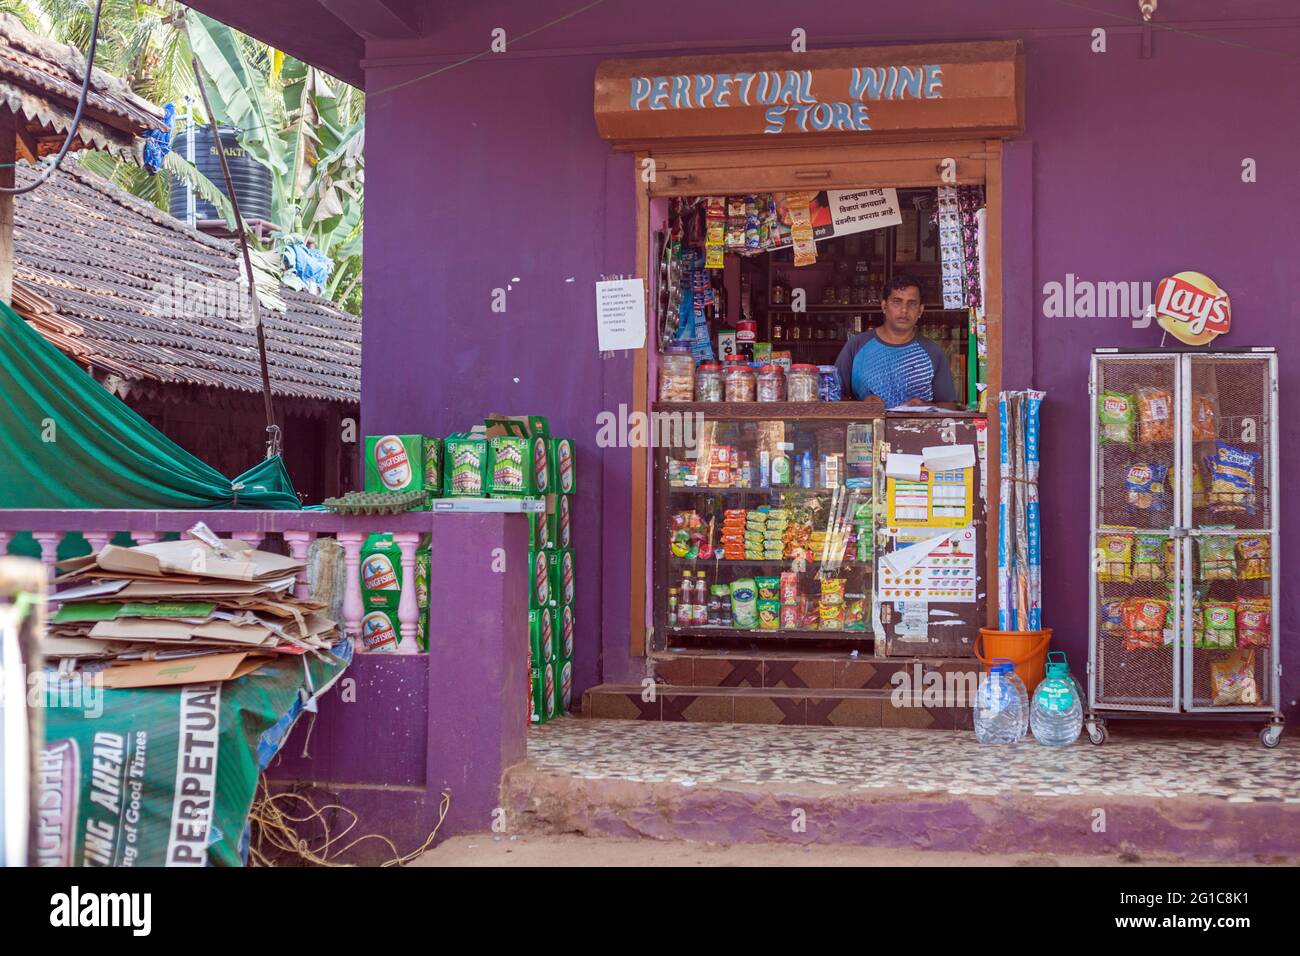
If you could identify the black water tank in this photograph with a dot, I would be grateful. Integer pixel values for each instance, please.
(252, 180)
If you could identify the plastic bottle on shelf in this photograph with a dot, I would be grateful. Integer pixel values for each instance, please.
(998, 711)
(686, 600)
(701, 615)
(1056, 714)
(1022, 693)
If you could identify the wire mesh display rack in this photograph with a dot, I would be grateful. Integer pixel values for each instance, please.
(1183, 574)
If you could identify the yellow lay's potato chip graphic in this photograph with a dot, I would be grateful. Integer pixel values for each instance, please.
(1192, 308)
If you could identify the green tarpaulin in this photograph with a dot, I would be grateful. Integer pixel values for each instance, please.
(67, 442)
(164, 776)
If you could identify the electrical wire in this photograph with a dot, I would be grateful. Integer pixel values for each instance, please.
(274, 831)
(481, 53)
(76, 117)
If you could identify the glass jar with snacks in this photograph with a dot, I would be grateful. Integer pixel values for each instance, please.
(771, 384)
(676, 375)
(740, 382)
(802, 383)
(708, 382)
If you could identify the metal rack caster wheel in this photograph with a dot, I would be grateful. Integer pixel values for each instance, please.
(1271, 735)
(1098, 734)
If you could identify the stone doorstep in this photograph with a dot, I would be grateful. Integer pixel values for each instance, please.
(542, 801)
(715, 668)
(802, 706)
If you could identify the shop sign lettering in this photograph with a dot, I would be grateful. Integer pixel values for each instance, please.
(790, 102)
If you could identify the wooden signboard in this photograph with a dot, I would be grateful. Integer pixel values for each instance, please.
(921, 91)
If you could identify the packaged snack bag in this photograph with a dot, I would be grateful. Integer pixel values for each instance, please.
(1254, 555)
(855, 611)
(1112, 617)
(1218, 558)
(1232, 479)
(1147, 489)
(768, 588)
(1233, 678)
(1155, 414)
(1220, 621)
(1116, 557)
(1144, 623)
(1149, 557)
(831, 617)
(832, 591)
(744, 603)
(1205, 417)
(1254, 621)
(791, 617)
(789, 587)
(769, 614)
(1115, 416)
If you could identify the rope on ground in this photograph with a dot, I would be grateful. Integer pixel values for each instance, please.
(274, 830)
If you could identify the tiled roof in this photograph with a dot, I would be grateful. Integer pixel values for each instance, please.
(40, 80)
(98, 271)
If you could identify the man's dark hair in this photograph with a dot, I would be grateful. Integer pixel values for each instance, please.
(898, 284)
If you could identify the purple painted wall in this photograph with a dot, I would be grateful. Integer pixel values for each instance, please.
(489, 174)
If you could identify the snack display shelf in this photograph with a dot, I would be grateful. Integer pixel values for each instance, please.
(755, 492)
(715, 630)
(771, 411)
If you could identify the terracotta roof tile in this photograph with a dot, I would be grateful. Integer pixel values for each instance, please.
(97, 272)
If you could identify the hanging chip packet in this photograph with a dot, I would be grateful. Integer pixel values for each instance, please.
(1232, 479)
(1115, 417)
(1155, 414)
(1233, 678)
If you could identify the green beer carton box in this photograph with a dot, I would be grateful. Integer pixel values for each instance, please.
(528, 469)
(564, 521)
(541, 532)
(563, 630)
(465, 467)
(423, 558)
(519, 466)
(563, 686)
(561, 576)
(563, 475)
(403, 463)
(381, 574)
(541, 637)
(380, 631)
(539, 579)
(543, 693)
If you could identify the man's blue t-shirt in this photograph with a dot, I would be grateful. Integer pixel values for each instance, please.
(895, 373)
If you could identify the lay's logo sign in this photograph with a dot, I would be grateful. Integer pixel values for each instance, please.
(1192, 308)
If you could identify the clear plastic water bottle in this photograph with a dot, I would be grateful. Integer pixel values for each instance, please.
(1022, 692)
(1058, 657)
(1056, 714)
(999, 713)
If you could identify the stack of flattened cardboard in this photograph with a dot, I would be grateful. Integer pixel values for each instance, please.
(181, 612)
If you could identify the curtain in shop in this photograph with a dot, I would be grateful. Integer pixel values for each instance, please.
(67, 442)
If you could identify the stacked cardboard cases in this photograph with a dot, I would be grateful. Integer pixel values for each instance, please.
(552, 569)
(381, 592)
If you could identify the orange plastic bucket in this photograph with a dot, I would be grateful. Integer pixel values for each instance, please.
(1027, 650)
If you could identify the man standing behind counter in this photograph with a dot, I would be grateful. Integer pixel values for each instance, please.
(892, 362)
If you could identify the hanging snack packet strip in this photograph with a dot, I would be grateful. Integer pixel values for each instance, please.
(1149, 557)
(1144, 623)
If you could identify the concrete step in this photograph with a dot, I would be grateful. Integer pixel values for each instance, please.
(1216, 795)
(756, 668)
(803, 706)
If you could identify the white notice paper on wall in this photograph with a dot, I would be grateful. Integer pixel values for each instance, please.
(904, 467)
(620, 314)
(949, 457)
